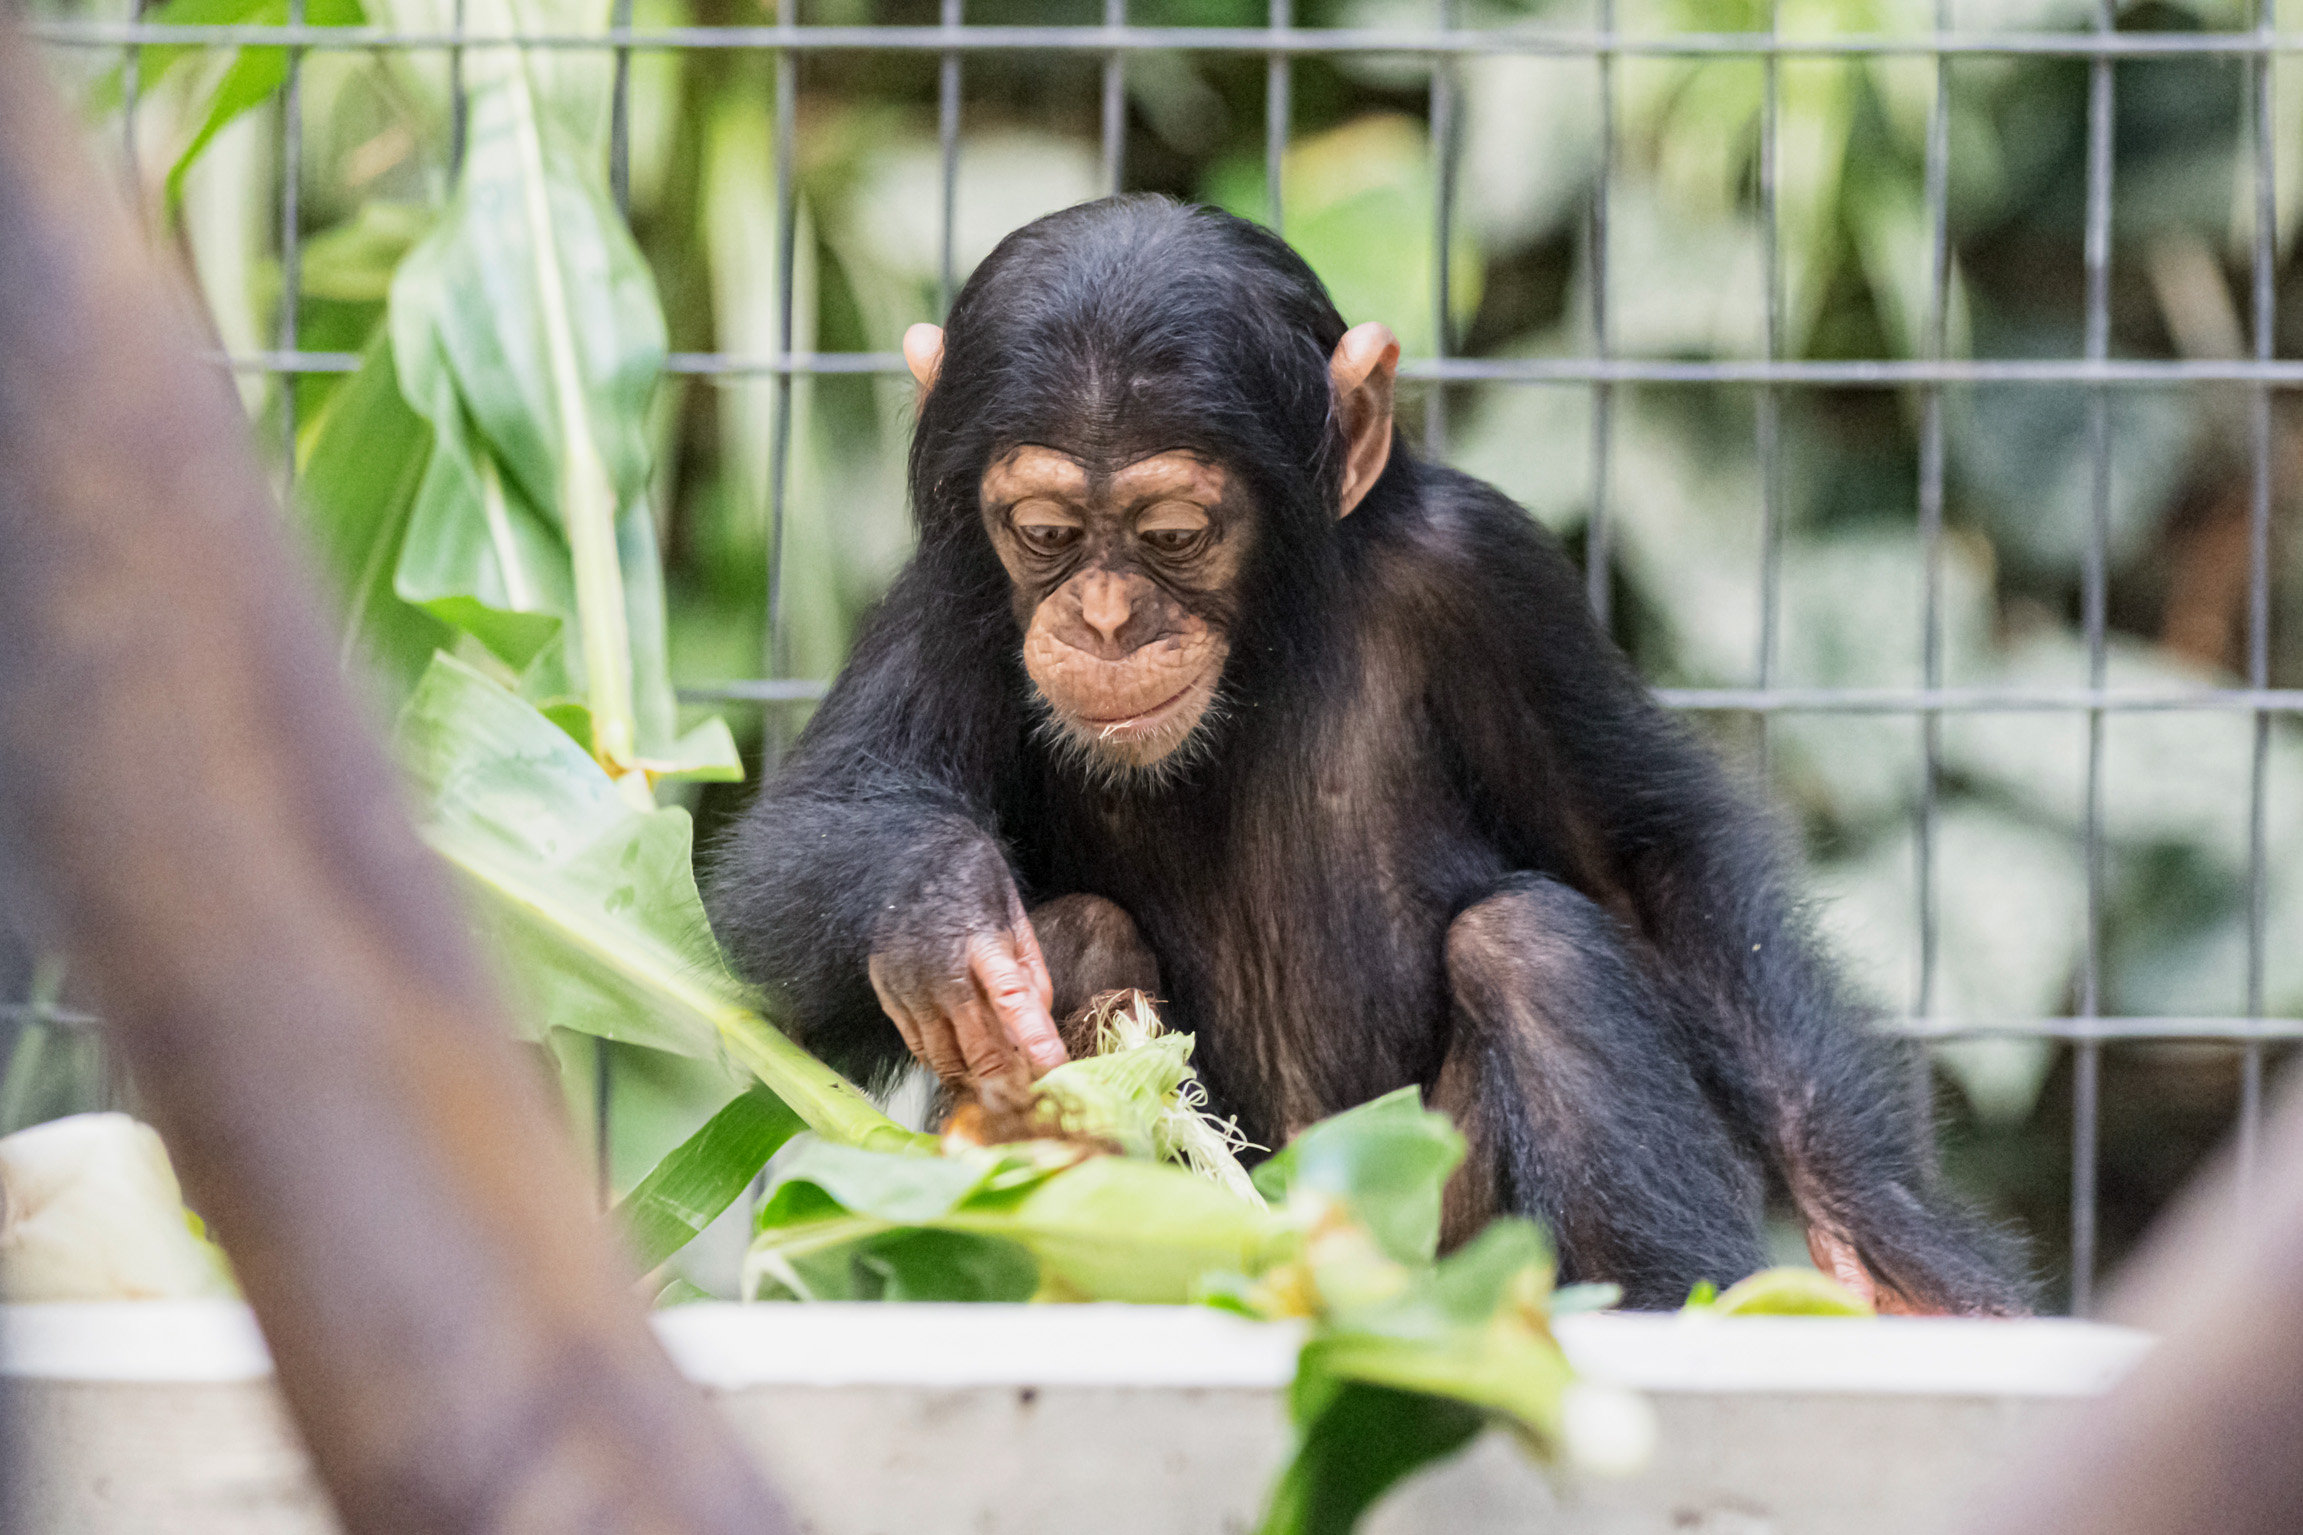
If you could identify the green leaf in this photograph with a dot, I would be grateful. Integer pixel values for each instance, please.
(1107, 1228)
(363, 460)
(529, 335)
(593, 902)
(1788, 1291)
(1473, 1282)
(679, 1292)
(1113, 1228)
(1356, 1443)
(900, 1190)
(155, 60)
(1519, 1375)
(353, 262)
(705, 1174)
(1388, 1161)
(254, 73)
(944, 1266)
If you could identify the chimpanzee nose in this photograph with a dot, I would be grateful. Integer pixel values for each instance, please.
(1105, 606)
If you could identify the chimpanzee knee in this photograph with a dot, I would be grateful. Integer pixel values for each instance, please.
(1564, 1072)
(1092, 947)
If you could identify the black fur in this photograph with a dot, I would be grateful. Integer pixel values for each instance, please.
(1419, 716)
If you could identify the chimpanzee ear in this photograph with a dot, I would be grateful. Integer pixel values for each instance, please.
(924, 353)
(1365, 364)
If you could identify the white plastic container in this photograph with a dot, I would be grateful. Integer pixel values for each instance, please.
(160, 1418)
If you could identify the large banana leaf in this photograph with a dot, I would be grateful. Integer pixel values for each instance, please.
(592, 902)
(525, 329)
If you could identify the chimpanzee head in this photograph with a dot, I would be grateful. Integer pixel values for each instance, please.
(1154, 416)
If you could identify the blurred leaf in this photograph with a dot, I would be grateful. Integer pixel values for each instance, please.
(247, 81)
(705, 1174)
(1788, 1291)
(254, 74)
(680, 1292)
(2026, 457)
(948, 1266)
(917, 1264)
(1386, 1387)
(353, 262)
(899, 1190)
(592, 902)
(363, 460)
(1356, 1442)
(1387, 1161)
(1353, 194)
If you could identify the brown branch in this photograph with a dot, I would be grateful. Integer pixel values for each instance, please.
(194, 808)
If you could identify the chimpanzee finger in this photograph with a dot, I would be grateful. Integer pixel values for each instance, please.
(1017, 1001)
(924, 1035)
(941, 1045)
(981, 1044)
(1034, 961)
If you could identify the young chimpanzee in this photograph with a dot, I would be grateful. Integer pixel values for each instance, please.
(1202, 682)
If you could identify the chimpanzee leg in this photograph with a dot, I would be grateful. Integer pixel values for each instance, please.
(1092, 947)
(1564, 1073)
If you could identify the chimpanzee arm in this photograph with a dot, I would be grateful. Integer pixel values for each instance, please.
(868, 876)
(1574, 766)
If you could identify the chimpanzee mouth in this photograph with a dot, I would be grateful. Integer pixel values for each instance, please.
(1141, 720)
(1143, 748)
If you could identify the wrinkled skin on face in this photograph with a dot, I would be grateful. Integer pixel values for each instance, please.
(1122, 576)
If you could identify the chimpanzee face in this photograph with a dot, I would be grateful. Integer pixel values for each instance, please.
(1122, 574)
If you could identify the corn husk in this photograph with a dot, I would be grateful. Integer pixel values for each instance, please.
(1139, 1092)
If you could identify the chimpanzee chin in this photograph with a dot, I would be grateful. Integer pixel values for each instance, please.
(1203, 682)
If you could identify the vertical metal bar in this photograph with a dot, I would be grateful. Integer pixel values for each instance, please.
(780, 424)
(1115, 127)
(459, 103)
(620, 187)
(291, 245)
(1598, 590)
(1278, 117)
(2088, 1061)
(1937, 343)
(948, 138)
(1769, 403)
(1443, 137)
(2259, 588)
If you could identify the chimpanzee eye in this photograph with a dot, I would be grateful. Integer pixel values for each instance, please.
(1175, 541)
(1047, 538)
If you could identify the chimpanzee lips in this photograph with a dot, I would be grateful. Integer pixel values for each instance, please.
(1135, 710)
(1139, 716)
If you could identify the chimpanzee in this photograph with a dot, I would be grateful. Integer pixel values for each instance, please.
(1203, 682)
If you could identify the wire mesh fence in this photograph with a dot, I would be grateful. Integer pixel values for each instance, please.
(1602, 370)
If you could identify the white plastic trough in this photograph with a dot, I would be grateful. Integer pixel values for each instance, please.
(161, 1419)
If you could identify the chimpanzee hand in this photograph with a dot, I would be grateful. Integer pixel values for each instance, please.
(955, 963)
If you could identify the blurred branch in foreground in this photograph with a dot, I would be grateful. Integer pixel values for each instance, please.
(191, 807)
(2207, 1433)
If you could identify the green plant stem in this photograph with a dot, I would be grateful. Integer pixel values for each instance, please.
(587, 498)
(833, 1107)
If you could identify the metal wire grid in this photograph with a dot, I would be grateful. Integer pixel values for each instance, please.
(1601, 372)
